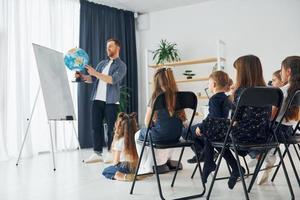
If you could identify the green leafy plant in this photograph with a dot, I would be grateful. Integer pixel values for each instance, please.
(167, 52)
(124, 98)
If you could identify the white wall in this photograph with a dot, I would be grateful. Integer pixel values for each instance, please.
(269, 29)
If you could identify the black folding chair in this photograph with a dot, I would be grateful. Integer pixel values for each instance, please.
(256, 97)
(184, 100)
(293, 140)
(229, 169)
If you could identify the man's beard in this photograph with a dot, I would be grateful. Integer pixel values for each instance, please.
(111, 54)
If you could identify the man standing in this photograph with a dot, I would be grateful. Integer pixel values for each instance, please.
(106, 78)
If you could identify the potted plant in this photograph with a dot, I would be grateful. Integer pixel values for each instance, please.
(124, 98)
(167, 52)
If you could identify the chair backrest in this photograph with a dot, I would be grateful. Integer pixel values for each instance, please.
(295, 101)
(260, 97)
(183, 100)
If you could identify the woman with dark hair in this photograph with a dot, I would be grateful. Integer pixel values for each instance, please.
(290, 74)
(251, 122)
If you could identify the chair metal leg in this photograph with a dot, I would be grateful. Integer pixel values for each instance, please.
(200, 172)
(216, 172)
(277, 168)
(240, 171)
(257, 170)
(297, 153)
(137, 168)
(195, 169)
(228, 167)
(203, 185)
(156, 173)
(177, 167)
(292, 163)
(286, 174)
(247, 167)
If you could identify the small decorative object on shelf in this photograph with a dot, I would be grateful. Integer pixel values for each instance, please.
(199, 94)
(189, 74)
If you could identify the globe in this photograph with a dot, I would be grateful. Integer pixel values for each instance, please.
(76, 59)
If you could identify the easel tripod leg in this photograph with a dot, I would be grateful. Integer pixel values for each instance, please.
(29, 122)
(53, 158)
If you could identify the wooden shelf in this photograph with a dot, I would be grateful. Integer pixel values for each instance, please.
(190, 80)
(202, 97)
(188, 62)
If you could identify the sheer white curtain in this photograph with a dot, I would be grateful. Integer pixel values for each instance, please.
(52, 23)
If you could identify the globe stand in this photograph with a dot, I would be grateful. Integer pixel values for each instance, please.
(78, 79)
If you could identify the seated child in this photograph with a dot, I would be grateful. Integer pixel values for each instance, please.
(125, 155)
(276, 79)
(218, 107)
(254, 155)
(290, 75)
(167, 123)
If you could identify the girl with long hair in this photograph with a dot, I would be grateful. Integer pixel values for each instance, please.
(125, 155)
(290, 74)
(290, 70)
(167, 123)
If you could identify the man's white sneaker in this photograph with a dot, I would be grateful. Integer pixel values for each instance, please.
(94, 158)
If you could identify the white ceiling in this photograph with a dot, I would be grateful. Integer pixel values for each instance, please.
(144, 6)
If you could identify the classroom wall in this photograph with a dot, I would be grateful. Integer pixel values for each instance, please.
(269, 29)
